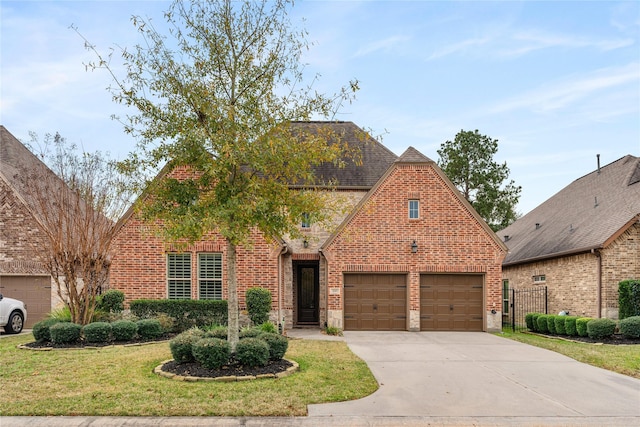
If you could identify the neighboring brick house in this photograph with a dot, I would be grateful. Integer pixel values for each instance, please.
(21, 277)
(581, 242)
(410, 254)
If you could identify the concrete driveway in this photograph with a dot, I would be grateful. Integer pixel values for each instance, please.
(460, 374)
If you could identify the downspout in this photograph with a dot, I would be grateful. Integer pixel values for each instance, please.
(598, 255)
(281, 322)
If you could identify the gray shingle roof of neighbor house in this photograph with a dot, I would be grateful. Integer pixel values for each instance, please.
(587, 214)
(375, 157)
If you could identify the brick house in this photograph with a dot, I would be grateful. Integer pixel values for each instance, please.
(409, 254)
(581, 242)
(21, 277)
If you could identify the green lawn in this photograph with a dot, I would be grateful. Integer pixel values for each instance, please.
(119, 381)
(624, 359)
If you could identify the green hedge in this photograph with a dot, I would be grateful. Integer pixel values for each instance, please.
(211, 353)
(277, 345)
(541, 321)
(258, 304)
(186, 313)
(551, 323)
(252, 352)
(41, 329)
(534, 321)
(149, 328)
(630, 327)
(581, 325)
(559, 324)
(529, 320)
(628, 299)
(182, 345)
(570, 326)
(112, 301)
(124, 330)
(65, 332)
(97, 332)
(601, 328)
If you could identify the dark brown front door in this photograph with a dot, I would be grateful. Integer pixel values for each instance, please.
(451, 302)
(308, 293)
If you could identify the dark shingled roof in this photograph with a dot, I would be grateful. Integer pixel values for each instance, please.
(411, 155)
(584, 215)
(375, 157)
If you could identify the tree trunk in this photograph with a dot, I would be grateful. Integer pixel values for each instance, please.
(232, 299)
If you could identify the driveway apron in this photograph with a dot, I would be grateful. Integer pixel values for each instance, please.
(468, 374)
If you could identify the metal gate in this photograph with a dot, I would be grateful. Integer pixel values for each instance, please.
(521, 302)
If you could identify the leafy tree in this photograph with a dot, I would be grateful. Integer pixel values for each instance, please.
(75, 202)
(469, 164)
(218, 98)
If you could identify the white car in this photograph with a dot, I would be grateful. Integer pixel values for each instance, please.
(13, 315)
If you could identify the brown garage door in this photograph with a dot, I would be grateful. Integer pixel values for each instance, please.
(34, 291)
(375, 302)
(450, 302)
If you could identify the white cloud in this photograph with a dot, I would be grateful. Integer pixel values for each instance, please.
(384, 45)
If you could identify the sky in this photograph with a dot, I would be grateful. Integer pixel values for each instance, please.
(554, 82)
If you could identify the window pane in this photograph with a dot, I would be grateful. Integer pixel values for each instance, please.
(414, 209)
(210, 276)
(179, 276)
(505, 296)
(306, 220)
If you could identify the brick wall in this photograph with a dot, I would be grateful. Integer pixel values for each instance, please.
(449, 238)
(572, 281)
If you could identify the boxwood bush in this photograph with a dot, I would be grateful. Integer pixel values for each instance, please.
(112, 301)
(541, 321)
(65, 332)
(149, 328)
(628, 299)
(182, 345)
(630, 327)
(186, 313)
(601, 328)
(277, 345)
(254, 332)
(529, 319)
(559, 322)
(217, 332)
(252, 352)
(124, 330)
(551, 323)
(570, 326)
(534, 321)
(212, 353)
(581, 326)
(258, 304)
(41, 329)
(97, 332)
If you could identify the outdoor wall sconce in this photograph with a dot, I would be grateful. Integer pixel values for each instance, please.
(414, 247)
(305, 243)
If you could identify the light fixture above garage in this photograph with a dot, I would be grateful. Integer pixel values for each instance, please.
(414, 247)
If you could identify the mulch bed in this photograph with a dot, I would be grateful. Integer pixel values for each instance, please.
(233, 369)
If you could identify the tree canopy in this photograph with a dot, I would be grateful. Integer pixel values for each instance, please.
(469, 163)
(218, 95)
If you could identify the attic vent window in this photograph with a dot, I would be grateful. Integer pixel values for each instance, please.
(414, 209)
(306, 220)
(540, 278)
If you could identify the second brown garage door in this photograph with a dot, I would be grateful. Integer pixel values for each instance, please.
(375, 302)
(451, 302)
(34, 291)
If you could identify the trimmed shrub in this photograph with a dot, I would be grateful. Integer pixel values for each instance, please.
(41, 329)
(220, 332)
(65, 332)
(551, 323)
(252, 352)
(534, 321)
(581, 326)
(570, 326)
(528, 320)
(149, 328)
(333, 330)
(541, 321)
(277, 345)
(250, 333)
(258, 304)
(630, 327)
(601, 328)
(628, 299)
(185, 313)
(212, 353)
(124, 330)
(112, 301)
(97, 332)
(182, 345)
(559, 322)
(166, 322)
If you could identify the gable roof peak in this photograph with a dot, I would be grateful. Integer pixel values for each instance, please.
(411, 155)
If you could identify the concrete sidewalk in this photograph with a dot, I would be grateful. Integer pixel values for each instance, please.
(431, 374)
